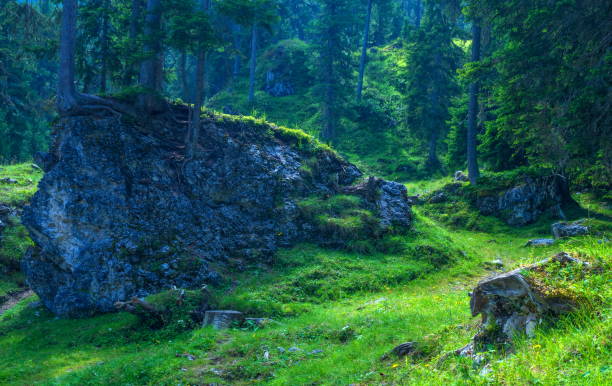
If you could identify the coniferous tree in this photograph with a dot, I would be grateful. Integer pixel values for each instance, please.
(432, 59)
(253, 14)
(364, 50)
(335, 69)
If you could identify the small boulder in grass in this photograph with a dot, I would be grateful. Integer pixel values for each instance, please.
(222, 319)
(8, 180)
(514, 303)
(460, 176)
(565, 229)
(540, 243)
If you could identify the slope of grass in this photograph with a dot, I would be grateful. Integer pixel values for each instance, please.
(336, 315)
(14, 240)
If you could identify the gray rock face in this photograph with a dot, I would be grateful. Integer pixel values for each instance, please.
(510, 304)
(525, 203)
(393, 205)
(563, 229)
(120, 213)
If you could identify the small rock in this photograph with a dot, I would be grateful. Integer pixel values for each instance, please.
(539, 243)
(222, 319)
(281, 350)
(438, 198)
(404, 349)
(563, 229)
(460, 176)
(294, 349)
(315, 352)
(36, 167)
(495, 264)
(266, 355)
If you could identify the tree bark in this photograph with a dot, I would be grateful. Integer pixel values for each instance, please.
(472, 156)
(132, 70)
(194, 129)
(418, 13)
(66, 92)
(329, 129)
(182, 70)
(253, 63)
(105, 47)
(364, 51)
(236, 69)
(149, 67)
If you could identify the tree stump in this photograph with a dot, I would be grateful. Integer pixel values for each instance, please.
(222, 319)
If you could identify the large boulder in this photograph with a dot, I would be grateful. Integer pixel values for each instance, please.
(526, 202)
(122, 213)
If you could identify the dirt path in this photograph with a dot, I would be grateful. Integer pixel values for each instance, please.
(14, 299)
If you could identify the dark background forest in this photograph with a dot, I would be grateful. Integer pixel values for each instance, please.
(394, 85)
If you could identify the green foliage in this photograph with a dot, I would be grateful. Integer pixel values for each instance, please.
(26, 80)
(180, 310)
(551, 78)
(432, 58)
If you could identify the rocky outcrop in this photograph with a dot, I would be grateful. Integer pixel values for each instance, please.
(525, 203)
(121, 213)
(563, 229)
(512, 302)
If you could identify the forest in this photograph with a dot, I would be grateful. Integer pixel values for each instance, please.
(293, 192)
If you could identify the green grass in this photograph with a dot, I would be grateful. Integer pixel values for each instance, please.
(342, 311)
(15, 239)
(27, 181)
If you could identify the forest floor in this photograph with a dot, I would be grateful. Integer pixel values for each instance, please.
(335, 316)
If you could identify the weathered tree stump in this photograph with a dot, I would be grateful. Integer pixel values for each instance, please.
(222, 319)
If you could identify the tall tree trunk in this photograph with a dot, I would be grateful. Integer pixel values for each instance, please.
(472, 156)
(182, 70)
(432, 158)
(45, 7)
(253, 63)
(236, 69)
(364, 51)
(66, 91)
(149, 66)
(105, 47)
(131, 70)
(329, 128)
(418, 13)
(194, 129)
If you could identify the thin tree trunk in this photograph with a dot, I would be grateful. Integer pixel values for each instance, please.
(105, 47)
(194, 129)
(131, 70)
(182, 70)
(418, 13)
(253, 63)
(66, 91)
(472, 156)
(45, 8)
(432, 159)
(236, 70)
(364, 51)
(329, 130)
